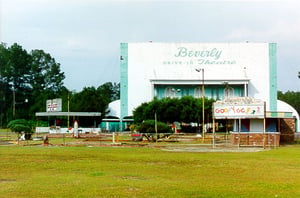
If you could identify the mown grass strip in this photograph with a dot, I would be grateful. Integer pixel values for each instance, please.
(147, 172)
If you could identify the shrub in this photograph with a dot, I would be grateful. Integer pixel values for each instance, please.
(148, 126)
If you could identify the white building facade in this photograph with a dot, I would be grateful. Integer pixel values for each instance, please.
(170, 69)
(161, 70)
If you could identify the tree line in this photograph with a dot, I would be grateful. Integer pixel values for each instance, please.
(29, 79)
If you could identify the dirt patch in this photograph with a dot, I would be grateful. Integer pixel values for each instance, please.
(211, 149)
(7, 180)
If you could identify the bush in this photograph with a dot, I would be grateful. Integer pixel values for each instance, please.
(148, 126)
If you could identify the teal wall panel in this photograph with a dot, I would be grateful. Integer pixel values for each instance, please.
(124, 79)
(273, 76)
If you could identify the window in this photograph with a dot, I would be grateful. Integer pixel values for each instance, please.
(228, 92)
(198, 92)
(171, 92)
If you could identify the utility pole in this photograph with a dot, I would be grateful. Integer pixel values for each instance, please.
(202, 70)
(14, 102)
(68, 110)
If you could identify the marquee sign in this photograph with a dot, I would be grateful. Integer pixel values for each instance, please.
(54, 105)
(223, 110)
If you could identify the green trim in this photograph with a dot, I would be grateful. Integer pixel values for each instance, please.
(273, 76)
(272, 114)
(124, 80)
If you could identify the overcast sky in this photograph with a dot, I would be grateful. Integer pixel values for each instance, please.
(84, 36)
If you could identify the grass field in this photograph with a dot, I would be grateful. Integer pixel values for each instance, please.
(55, 171)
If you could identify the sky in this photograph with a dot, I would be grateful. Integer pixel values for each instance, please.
(84, 36)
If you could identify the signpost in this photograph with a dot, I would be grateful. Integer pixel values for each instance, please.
(54, 105)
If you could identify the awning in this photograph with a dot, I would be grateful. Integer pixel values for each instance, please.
(85, 114)
(199, 82)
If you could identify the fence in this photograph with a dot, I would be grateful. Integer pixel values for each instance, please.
(219, 140)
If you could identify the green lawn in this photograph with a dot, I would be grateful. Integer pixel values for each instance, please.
(36, 171)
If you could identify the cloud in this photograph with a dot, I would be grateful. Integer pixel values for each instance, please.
(87, 33)
(280, 31)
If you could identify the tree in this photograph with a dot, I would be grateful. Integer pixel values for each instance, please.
(190, 109)
(109, 91)
(4, 89)
(46, 80)
(139, 113)
(86, 101)
(45, 72)
(14, 67)
(186, 109)
(169, 110)
(26, 77)
(91, 99)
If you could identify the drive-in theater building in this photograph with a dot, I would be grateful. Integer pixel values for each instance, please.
(237, 75)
